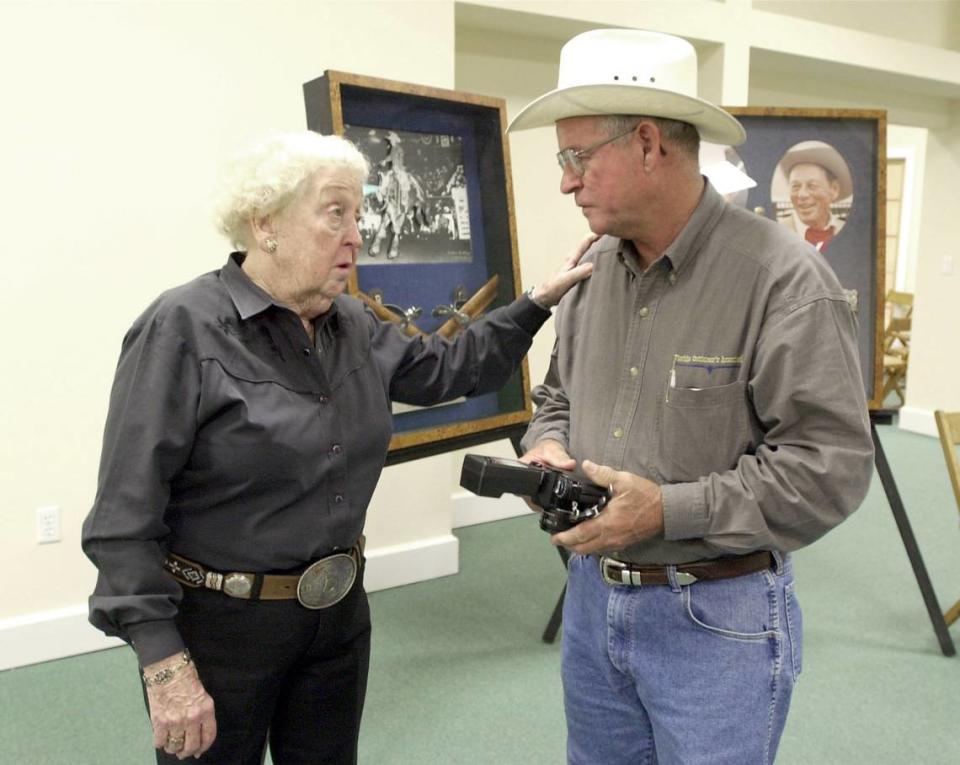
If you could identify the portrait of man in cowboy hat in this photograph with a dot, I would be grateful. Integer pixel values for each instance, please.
(814, 178)
(707, 373)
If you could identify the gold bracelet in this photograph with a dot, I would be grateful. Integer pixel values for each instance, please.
(165, 675)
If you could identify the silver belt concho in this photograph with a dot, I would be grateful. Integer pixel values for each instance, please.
(327, 581)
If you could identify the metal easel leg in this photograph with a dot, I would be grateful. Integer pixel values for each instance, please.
(910, 543)
(553, 625)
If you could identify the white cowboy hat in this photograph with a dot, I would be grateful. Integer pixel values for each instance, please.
(815, 153)
(630, 71)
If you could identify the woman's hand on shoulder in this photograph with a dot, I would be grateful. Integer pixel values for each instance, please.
(548, 294)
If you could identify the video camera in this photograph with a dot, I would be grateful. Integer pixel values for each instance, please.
(566, 499)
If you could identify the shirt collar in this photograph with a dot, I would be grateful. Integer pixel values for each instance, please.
(801, 228)
(696, 232)
(250, 299)
(247, 297)
(691, 238)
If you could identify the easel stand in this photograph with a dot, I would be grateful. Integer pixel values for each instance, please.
(903, 525)
(553, 626)
(906, 534)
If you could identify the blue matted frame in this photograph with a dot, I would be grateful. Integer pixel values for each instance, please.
(339, 102)
(857, 253)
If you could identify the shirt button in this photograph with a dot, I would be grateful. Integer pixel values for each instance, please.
(338, 498)
(306, 351)
(672, 278)
(618, 433)
(634, 371)
(644, 311)
(335, 449)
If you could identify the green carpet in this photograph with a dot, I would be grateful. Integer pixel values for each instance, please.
(459, 674)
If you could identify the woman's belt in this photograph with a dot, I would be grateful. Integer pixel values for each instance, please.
(322, 584)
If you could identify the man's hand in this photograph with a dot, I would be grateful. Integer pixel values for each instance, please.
(633, 514)
(181, 712)
(548, 293)
(549, 453)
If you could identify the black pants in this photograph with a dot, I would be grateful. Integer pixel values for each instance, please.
(277, 669)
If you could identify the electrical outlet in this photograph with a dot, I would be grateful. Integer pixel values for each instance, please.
(48, 524)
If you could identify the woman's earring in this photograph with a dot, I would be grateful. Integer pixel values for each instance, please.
(270, 246)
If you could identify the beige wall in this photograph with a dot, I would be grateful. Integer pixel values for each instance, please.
(118, 114)
(934, 373)
(116, 118)
(928, 22)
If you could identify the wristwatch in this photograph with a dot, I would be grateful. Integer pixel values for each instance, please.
(529, 293)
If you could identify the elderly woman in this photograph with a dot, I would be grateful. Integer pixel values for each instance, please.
(248, 425)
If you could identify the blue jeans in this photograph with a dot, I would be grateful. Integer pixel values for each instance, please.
(678, 675)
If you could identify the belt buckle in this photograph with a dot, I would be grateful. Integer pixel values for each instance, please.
(624, 576)
(327, 581)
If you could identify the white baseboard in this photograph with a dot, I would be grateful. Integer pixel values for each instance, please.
(469, 509)
(48, 635)
(916, 420)
(57, 634)
(418, 561)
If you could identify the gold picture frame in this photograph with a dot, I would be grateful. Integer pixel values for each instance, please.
(852, 142)
(439, 233)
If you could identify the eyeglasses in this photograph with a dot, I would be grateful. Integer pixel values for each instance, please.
(574, 158)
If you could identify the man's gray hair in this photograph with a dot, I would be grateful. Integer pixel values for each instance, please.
(683, 135)
(269, 175)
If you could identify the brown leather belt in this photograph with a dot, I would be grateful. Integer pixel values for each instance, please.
(252, 586)
(620, 573)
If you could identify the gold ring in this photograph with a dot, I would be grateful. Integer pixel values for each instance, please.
(176, 742)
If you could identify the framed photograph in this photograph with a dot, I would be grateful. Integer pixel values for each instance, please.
(822, 174)
(439, 233)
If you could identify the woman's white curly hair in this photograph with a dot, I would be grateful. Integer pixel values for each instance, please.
(269, 175)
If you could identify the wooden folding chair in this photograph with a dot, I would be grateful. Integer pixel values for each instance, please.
(948, 423)
(899, 305)
(896, 354)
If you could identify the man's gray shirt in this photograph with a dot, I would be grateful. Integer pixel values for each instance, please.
(728, 373)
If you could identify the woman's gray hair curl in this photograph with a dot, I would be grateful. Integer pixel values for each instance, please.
(268, 176)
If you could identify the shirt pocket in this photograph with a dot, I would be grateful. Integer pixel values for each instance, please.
(704, 430)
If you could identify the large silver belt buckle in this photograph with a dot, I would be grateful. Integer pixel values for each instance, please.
(327, 581)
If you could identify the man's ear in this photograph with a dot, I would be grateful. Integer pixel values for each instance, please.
(647, 135)
(834, 191)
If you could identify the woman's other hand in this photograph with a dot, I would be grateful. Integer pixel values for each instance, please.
(181, 711)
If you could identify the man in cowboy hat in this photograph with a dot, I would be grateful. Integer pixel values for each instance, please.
(816, 177)
(708, 374)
